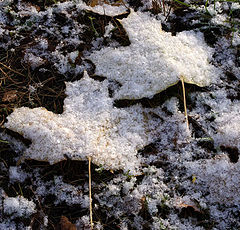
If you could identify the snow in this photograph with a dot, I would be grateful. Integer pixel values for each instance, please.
(19, 206)
(107, 9)
(149, 198)
(226, 115)
(63, 192)
(228, 131)
(151, 64)
(33, 60)
(89, 127)
(16, 174)
(220, 177)
(108, 30)
(236, 38)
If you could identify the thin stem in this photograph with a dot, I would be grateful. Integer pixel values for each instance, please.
(90, 192)
(184, 101)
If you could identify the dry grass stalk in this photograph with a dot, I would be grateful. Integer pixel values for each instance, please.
(184, 101)
(90, 192)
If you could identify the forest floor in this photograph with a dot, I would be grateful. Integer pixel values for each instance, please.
(188, 179)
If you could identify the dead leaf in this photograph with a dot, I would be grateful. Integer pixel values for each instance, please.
(66, 224)
(118, 3)
(9, 96)
(93, 3)
(193, 206)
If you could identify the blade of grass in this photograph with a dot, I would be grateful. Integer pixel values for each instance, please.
(182, 3)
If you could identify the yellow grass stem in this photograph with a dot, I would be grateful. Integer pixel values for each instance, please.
(184, 101)
(90, 191)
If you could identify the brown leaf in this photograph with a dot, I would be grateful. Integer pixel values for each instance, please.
(119, 3)
(9, 96)
(66, 224)
(193, 206)
(93, 3)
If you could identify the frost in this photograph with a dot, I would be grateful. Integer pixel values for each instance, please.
(33, 60)
(18, 206)
(108, 29)
(228, 126)
(220, 177)
(89, 126)
(16, 174)
(155, 59)
(226, 115)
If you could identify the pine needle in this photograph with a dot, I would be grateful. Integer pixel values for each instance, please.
(184, 101)
(7, 67)
(90, 191)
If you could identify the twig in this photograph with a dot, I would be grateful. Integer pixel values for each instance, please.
(90, 192)
(184, 101)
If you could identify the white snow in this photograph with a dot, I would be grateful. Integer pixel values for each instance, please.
(33, 60)
(218, 176)
(18, 206)
(73, 56)
(236, 38)
(107, 9)
(108, 29)
(16, 174)
(89, 126)
(228, 130)
(155, 59)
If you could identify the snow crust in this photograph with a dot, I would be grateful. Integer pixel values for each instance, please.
(155, 59)
(89, 127)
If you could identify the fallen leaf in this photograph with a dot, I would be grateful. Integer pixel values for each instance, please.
(192, 205)
(66, 224)
(93, 3)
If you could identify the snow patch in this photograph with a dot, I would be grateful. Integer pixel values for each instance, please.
(19, 206)
(155, 59)
(220, 177)
(89, 127)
